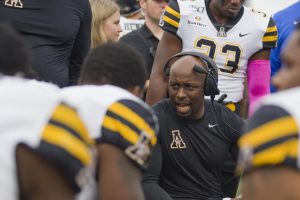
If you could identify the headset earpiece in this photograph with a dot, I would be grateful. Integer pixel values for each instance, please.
(211, 80)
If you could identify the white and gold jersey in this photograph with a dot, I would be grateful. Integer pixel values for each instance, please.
(287, 100)
(33, 115)
(272, 135)
(115, 116)
(230, 46)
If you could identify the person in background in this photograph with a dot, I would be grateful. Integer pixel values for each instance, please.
(286, 20)
(132, 16)
(106, 22)
(269, 149)
(146, 38)
(238, 38)
(57, 33)
(42, 158)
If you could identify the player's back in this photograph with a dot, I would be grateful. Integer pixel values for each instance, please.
(24, 107)
(100, 99)
(116, 117)
(287, 100)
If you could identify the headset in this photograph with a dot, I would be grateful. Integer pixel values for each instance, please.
(211, 80)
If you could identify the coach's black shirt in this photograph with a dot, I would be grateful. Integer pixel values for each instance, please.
(57, 31)
(193, 151)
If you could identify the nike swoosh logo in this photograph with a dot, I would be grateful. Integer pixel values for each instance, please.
(212, 125)
(296, 22)
(242, 35)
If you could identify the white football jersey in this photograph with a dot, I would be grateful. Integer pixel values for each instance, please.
(271, 137)
(230, 46)
(32, 114)
(24, 112)
(115, 116)
(287, 100)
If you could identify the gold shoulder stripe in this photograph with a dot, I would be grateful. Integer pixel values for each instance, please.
(117, 126)
(271, 29)
(270, 38)
(172, 12)
(69, 117)
(274, 129)
(276, 154)
(171, 21)
(132, 117)
(65, 140)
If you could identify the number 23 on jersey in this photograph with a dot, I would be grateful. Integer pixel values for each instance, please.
(230, 51)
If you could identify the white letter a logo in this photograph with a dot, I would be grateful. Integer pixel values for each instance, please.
(14, 3)
(177, 142)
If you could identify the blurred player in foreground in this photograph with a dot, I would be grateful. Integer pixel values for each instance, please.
(269, 153)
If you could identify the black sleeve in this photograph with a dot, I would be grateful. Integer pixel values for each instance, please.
(151, 186)
(270, 37)
(131, 126)
(81, 46)
(66, 144)
(271, 138)
(170, 18)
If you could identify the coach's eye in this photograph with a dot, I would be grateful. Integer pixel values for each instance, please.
(190, 87)
(174, 86)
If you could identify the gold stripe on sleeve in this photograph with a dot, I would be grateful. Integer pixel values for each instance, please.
(270, 38)
(117, 126)
(275, 129)
(171, 21)
(132, 117)
(276, 154)
(271, 29)
(68, 116)
(172, 12)
(65, 140)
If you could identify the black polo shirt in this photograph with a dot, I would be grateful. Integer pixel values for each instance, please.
(57, 32)
(144, 42)
(192, 153)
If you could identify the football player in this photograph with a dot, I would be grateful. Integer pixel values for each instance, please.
(269, 154)
(123, 127)
(236, 37)
(45, 146)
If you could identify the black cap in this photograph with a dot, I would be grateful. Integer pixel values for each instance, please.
(128, 7)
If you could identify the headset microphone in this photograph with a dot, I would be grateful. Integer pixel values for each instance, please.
(222, 97)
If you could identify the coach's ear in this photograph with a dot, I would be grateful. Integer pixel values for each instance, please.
(136, 90)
